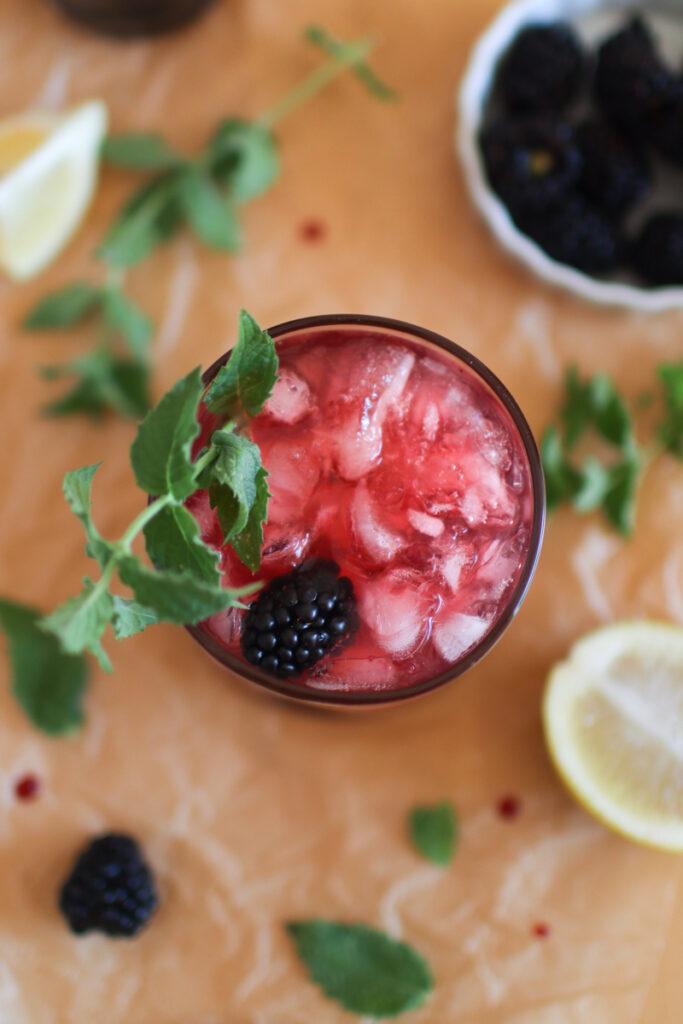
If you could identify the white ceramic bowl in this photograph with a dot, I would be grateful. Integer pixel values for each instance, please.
(593, 20)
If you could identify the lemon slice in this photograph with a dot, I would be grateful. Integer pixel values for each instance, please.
(48, 173)
(613, 717)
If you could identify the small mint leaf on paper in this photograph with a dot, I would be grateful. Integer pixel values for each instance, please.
(619, 504)
(594, 484)
(321, 38)
(434, 832)
(176, 597)
(243, 155)
(103, 381)
(141, 151)
(64, 308)
(174, 543)
(608, 410)
(77, 487)
(562, 481)
(671, 429)
(247, 544)
(48, 684)
(577, 409)
(247, 379)
(122, 315)
(232, 491)
(150, 217)
(210, 213)
(363, 969)
(160, 453)
(131, 618)
(80, 622)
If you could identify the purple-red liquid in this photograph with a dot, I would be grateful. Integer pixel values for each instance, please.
(398, 462)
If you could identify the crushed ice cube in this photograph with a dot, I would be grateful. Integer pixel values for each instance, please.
(290, 399)
(451, 568)
(456, 633)
(383, 376)
(430, 421)
(226, 625)
(429, 525)
(379, 542)
(293, 473)
(349, 673)
(394, 611)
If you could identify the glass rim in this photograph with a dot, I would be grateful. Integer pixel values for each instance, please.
(396, 695)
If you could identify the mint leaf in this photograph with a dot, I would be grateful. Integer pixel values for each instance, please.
(562, 481)
(150, 217)
(232, 491)
(594, 484)
(47, 683)
(577, 409)
(80, 622)
(122, 315)
(131, 618)
(103, 381)
(608, 410)
(619, 503)
(671, 429)
(174, 543)
(160, 454)
(243, 155)
(142, 151)
(176, 597)
(247, 379)
(434, 831)
(77, 487)
(63, 308)
(208, 211)
(361, 967)
(321, 38)
(247, 544)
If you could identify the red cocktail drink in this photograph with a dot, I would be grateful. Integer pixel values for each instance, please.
(400, 459)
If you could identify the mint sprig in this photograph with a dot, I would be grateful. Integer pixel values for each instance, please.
(361, 968)
(592, 459)
(434, 831)
(114, 375)
(181, 582)
(201, 192)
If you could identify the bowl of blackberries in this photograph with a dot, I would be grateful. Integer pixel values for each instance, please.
(571, 137)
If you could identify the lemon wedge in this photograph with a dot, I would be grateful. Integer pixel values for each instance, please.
(48, 173)
(613, 719)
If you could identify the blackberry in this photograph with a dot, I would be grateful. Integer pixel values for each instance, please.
(110, 888)
(575, 233)
(614, 174)
(631, 82)
(657, 253)
(542, 69)
(665, 129)
(531, 163)
(299, 618)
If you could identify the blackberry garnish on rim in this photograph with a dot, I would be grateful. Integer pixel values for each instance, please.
(299, 618)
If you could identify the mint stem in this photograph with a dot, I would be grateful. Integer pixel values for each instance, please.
(350, 54)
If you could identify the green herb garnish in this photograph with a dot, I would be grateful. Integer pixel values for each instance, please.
(434, 831)
(607, 478)
(365, 970)
(203, 192)
(181, 583)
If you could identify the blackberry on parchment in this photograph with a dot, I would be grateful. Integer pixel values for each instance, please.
(299, 618)
(542, 69)
(110, 888)
(532, 163)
